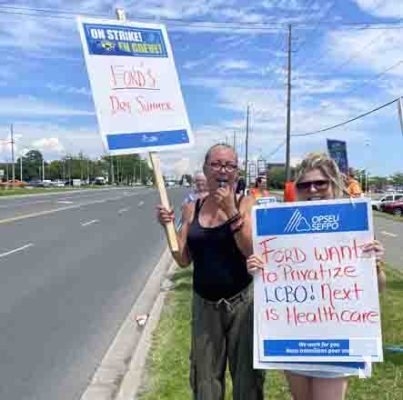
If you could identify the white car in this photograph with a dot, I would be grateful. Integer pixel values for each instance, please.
(385, 199)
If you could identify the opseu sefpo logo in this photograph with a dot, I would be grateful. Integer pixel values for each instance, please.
(317, 223)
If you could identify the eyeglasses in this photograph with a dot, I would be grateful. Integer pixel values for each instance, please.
(318, 185)
(217, 166)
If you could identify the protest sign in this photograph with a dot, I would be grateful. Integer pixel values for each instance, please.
(317, 298)
(135, 86)
(338, 151)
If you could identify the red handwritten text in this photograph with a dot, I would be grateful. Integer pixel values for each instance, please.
(338, 253)
(331, 294)
(292, 274)
(118, 105)
(327, 313)
(145, 106)
(293, 255)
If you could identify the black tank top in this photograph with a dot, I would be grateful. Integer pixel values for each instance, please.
(219, 267)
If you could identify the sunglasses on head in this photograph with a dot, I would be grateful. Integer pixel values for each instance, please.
(320, 184)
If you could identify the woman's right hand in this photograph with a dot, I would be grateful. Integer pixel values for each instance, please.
(164, 215)
(254, 263)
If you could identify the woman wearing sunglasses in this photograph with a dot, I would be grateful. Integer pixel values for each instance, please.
(319, 178)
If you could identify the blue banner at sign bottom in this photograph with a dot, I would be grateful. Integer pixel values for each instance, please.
(320, 348)
(123, 141)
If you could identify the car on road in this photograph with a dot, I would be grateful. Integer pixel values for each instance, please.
(395, 208)
(381, 202)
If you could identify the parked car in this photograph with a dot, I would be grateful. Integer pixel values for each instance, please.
(380, 203)
(15, 183)
(395, 208)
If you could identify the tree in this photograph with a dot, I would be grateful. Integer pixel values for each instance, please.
(32, 165)
(397, 179)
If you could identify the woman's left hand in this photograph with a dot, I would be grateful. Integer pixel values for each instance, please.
(374, 248)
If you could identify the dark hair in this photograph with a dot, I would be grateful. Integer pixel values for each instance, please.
(210, 150)
(259, 179)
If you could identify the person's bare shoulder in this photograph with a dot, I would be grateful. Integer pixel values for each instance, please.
(247, 203)
(188, 212)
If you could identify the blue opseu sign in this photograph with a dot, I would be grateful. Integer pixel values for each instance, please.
(115, 40)
(305, 219)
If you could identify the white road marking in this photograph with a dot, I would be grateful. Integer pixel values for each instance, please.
(65, 202)
(16, 250)
(141, 203)
(93, 221)
(122, 210)
(46, 212)
(388, 234)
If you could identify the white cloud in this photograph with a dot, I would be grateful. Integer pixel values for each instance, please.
(367, 50)
(239, 65)
(382, 8)
(68, 89)
(52, 139)
(29, 106)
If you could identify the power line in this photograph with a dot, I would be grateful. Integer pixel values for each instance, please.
(283, 143)
(346, 122)
(66, 14)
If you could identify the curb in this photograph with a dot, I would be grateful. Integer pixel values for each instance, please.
(119, 374)
(132, 381)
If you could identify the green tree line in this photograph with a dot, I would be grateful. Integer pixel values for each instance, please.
(118, 169)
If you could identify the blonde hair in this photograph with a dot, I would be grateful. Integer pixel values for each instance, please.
(216, 146)
(327, 166)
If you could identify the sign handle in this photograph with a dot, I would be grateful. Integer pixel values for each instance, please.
(155, 162)
(159, 181)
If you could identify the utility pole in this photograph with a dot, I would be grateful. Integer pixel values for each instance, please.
(112, 172)
(400, 111)
(246, 147)
(288, 137)
(12, 153)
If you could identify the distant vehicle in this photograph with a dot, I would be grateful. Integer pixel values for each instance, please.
(14, 183)
(395, 208)
(57, 183)
(36, 183)
(380, 203)
(99, 180)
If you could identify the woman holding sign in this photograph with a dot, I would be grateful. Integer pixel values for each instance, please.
(319, 178)
(216, 236)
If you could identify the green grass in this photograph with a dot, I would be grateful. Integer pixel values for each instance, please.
(167, 370)
(381, 214)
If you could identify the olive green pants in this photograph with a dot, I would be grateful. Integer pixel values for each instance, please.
(224, 330)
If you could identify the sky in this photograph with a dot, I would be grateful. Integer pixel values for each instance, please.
(346, 61)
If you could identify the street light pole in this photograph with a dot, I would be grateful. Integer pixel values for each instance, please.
(246, 147)
(288, 136)
(12, 153)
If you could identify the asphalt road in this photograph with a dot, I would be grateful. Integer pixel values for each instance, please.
(71, 266)
(390, 233)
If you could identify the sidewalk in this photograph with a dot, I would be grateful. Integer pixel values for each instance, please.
(166, 374)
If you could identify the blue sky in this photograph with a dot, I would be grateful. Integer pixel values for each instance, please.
(229, 53)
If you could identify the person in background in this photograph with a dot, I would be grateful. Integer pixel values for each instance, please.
(240, 186)
(216, 236)
(199, 191)
(319, 178)
(353, 186)
(260, 189)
